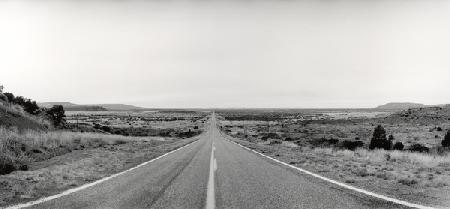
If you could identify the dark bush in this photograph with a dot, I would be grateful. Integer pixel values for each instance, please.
(379, 140)
(106, 128)
(323, 142)
(438, 129)
(6, 168)
(418, 148)
(273, 135)
(57, 115)
(288, 139)
(275, 141)
(28, 105)
(10, 96)
(351, 145)
(390, 143)
(398, 146)
(446, 141)
(3, 98)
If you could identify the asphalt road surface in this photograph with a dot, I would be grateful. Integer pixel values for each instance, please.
(226, 176)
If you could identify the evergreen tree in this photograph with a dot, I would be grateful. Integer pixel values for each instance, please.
(446, 141)
(379, 140)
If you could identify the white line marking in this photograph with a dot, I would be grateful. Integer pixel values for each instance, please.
(390, 199)
(210, 196)
(85, 186)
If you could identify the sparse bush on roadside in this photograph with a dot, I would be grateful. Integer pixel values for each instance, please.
(446, 141)
(324, 142)
(275, 141)
(418, 148)
(407, 181)
(57, 115)
(398, 146)
(351, 145)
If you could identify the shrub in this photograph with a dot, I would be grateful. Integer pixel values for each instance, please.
(446, 141)
(289, 139)
(56, 115)
(398, 146)
(408, 182)
(390, 142)
(3, 98)
(323, 142)
(273, 135)
(28, 105)
(418, 148)
(351, 145)
(10, 96)
(379, 140)
(275, 141)
(438, 129)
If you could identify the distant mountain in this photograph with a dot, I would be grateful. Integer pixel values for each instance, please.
(51, 104)
(85, 108)
(401, 105)
(120, 107)
(91, 107)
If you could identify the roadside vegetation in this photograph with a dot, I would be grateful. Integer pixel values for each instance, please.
(47, 150)
(405, 154)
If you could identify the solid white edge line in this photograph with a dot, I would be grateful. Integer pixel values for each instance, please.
(379, 196)
(85, 186)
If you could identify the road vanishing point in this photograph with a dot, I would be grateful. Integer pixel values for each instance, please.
(212, 173)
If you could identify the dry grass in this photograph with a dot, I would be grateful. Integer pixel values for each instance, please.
(82, 166)
(18, 110)
(417, 177)
(18, 149)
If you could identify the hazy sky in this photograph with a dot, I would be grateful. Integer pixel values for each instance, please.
(201, 53)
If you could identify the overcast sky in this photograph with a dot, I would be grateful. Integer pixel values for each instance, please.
(246, 53)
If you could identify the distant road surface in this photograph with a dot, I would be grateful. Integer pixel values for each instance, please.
(228, 177)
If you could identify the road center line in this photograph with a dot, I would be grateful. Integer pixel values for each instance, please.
(210, 195)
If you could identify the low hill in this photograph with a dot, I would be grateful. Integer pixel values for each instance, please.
(422, 115)
(120, 107)
(68, 106)
(91, 107)
(400, 105)
(13, 118)
(85, 108)
(51, 104)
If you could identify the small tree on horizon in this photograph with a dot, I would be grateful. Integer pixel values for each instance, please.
(379, 140)
(446, 141)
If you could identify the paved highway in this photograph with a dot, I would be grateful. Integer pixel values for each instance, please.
(214, 173)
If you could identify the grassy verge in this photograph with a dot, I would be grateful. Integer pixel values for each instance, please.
(56, 161)
(415, 177)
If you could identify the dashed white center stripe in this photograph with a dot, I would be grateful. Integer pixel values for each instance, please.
(210, 194)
